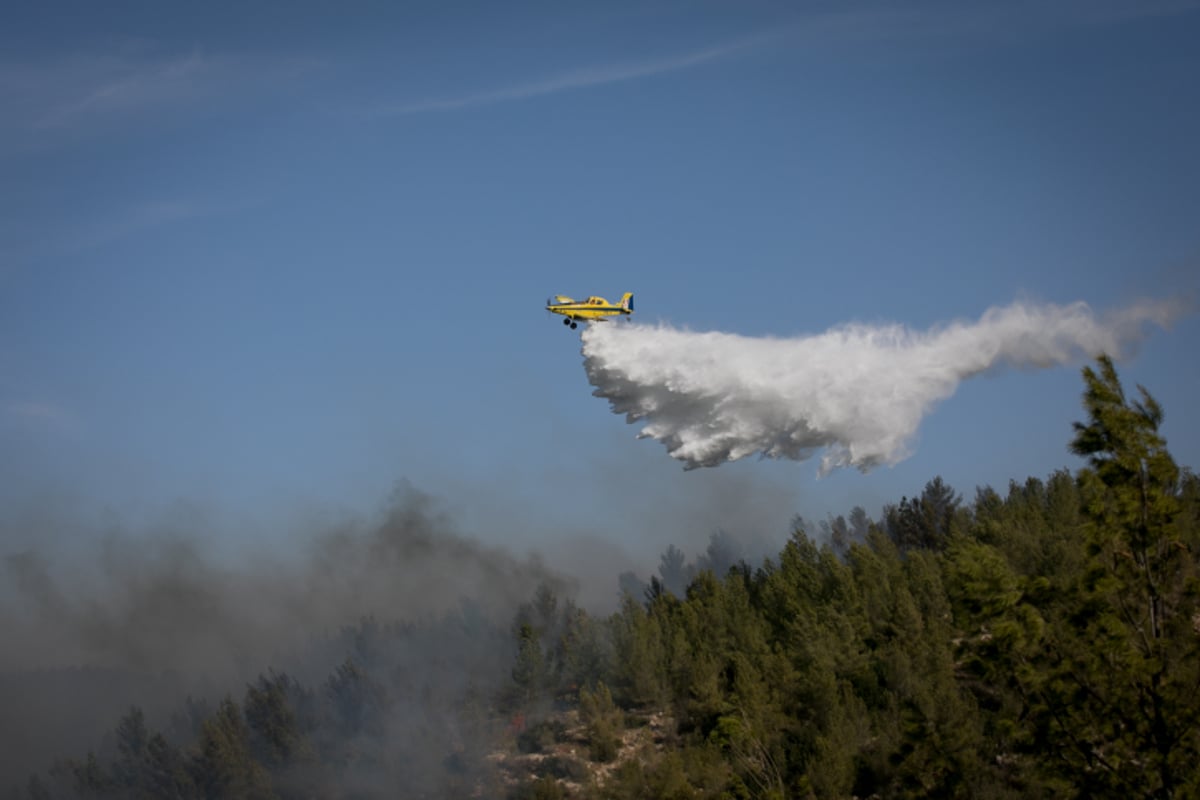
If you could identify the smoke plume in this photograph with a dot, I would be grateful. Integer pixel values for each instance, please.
(157, 601)
(115, 618)
(857, 391)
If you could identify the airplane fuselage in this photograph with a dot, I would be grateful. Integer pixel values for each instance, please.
(593, 309)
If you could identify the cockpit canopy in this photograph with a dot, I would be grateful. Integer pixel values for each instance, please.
(562, 299)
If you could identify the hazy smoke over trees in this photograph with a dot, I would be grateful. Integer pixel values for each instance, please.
(148, 618)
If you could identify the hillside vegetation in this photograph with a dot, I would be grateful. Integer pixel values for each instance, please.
(1041, 641)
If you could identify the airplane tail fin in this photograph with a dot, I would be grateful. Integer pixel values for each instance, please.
(627, 301)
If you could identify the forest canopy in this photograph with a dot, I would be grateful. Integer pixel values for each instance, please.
(1042, 640)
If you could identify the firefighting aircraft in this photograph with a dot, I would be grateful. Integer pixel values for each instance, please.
(594, 309)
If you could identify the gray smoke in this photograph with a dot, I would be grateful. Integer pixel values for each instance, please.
(98, 623)
(858, 392)
(162, 602)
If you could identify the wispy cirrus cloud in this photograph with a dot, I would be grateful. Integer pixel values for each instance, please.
(120, 86)
(55, 93)
(40, 414)
(578, 79)
(25, 247)
(56, 96)
(132, 220)
(858, 24)
(982, 23)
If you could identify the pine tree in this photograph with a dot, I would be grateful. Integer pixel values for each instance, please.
(529, 673)
(275, 735)
(224, 766)
(674, 571)
(640, 651)
(1124, 690)
(604, 722)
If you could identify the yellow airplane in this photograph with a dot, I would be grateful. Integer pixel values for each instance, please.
(594, 309)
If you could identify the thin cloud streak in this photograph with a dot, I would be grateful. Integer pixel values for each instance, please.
(140, 85)
(70, 238)
(54, 99)
(56, 94)
(41, 414)
(860, 26)
(135, 220)
(579, 79)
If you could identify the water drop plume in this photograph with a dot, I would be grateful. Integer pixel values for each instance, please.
(857, 392)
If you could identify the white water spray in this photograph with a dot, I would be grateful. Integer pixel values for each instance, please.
(859, 392)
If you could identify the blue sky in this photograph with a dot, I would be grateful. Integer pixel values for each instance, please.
(265, 258)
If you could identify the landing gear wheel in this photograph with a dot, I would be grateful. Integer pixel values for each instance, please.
(566, 322)
(573, 326)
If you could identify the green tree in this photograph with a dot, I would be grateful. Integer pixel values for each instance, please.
(815, 615)
(585, 651)
(147, 766)
(925, 522)
(132, 741)
(166, 773)
(359, 702)
(640, 652)
(604, 722)
(224, 766)
(674, 571)
(723, 552)
(529, 673)
(1127, 663)
(91, 779)
(276, 738)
